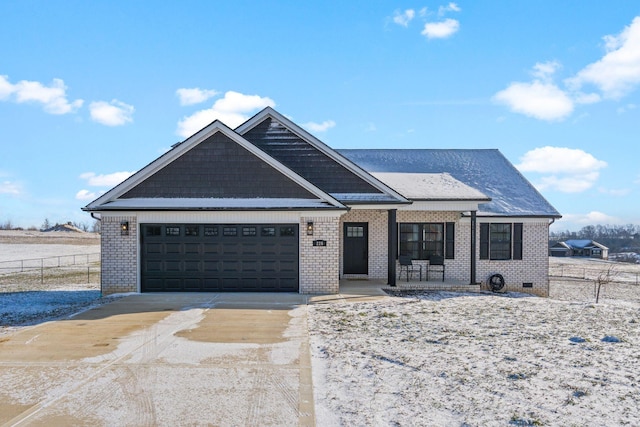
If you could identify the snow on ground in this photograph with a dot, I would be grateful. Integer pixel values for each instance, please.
(443, 359)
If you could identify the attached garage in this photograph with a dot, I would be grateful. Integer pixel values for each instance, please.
(219, 257)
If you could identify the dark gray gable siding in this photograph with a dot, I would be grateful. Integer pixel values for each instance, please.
(306, 160)
(485, 170)
(218, 168)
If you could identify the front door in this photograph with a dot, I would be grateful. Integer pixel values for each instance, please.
(356, 245)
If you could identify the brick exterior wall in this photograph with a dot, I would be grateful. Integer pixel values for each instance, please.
(319, 265)
(533, 268)
(119, 266)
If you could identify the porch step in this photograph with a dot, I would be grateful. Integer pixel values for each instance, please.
(433, 286)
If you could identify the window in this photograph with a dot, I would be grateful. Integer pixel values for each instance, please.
(420, 241)
(249, 231)
(287, 231)
(355, 231)
(229, 231)
(154, 230)
(268, 231)
(210, 231)
(500, 241)
(172, 231)
(191, 230)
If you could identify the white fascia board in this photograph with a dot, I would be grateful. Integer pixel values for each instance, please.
(192, 141)
(506, 219)
(223, 217)
(376, 206)
(444, 205)
(324, 148)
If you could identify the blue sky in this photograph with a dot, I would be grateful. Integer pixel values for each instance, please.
(93, 91)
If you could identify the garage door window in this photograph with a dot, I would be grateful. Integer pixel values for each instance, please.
(268, 231)
(287, 231)
(172, 231)
(191, 230)
(210, 231)
(229, 231)
(155, 230)
(249, 231)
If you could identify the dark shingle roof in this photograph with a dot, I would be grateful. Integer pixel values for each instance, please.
(486, 170)
(306, 160)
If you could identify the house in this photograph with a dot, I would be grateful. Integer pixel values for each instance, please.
(582, 248)
(269, 207)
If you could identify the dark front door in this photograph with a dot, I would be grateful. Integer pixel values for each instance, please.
(356, 244)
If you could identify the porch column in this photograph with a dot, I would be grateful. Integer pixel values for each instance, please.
(473, 248)
(392, 247)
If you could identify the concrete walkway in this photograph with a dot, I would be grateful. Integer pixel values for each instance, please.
(164, 359)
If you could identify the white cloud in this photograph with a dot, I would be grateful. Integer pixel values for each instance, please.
(86, 195)
(441, 30)
(53, 97)
(544, 101)
(8, 187)
(590, 218)
(108, 180)
(545, 70)
(114, 113)
(567, 170)
(6, 88)
(559, 159)
(194, 95)
(618, 72)
(451, 7)
(319, 127)
(232, 110)
(403, 18)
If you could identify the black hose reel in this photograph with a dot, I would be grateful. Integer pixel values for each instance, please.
(496, 282)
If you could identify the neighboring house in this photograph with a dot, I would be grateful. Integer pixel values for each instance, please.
(268, 207)
(583, 248)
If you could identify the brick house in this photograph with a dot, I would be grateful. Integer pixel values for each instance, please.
(269, 207)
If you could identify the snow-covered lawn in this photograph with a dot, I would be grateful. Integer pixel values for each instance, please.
(445, 359)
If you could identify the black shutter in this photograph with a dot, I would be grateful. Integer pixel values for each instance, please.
(484, 241)
(449, 245)
(517, 240)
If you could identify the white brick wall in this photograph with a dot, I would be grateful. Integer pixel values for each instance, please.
(319, 265)
(119, 255)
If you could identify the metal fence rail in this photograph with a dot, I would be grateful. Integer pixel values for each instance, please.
(618, 271)
(58, 270)
(25, 265)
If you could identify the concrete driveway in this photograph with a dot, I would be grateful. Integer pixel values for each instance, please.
(164, 359)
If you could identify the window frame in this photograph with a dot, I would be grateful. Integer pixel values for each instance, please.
(501, 241)
(421, 247)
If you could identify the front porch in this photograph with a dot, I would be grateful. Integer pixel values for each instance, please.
(363, 285)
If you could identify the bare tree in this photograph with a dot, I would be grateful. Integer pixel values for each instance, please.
(46, 224)
(605, 277)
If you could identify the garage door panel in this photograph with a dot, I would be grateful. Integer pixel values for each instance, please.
(219, 257)
(172, 266)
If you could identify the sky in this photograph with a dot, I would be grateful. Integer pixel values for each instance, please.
(91, 92)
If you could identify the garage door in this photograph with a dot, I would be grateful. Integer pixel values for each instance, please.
(219, 257)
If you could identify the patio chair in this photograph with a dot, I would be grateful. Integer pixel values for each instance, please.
(408, 267)
(436, 264)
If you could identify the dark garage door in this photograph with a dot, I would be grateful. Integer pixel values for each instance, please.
(219, 257)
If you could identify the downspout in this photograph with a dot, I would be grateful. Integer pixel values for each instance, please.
(97, 218)
(392, 246)
(473, 248)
